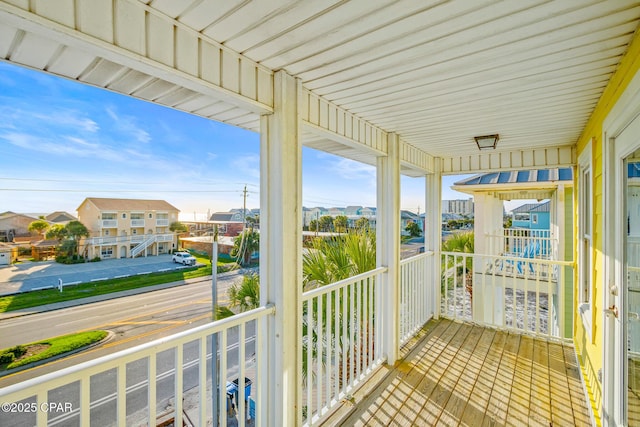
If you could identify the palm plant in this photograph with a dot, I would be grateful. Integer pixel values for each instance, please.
(246, 295)
(329, 261)
(464, 243)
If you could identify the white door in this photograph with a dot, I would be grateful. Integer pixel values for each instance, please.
(623, 315)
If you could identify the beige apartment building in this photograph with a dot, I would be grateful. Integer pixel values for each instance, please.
(127, 228)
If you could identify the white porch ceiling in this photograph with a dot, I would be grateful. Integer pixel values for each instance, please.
(436, 72)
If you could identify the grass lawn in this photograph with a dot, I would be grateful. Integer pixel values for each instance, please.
(36, 351)
(48, 296)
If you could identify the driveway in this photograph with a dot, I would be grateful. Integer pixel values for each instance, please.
(34, 275)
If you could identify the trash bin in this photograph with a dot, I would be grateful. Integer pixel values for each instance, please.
(247, 387)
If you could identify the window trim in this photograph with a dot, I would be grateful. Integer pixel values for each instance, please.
(585, 237)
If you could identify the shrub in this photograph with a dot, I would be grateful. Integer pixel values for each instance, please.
(12, 354)
(95, 259)
(7, 358)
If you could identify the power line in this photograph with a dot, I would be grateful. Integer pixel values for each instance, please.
(47, 190)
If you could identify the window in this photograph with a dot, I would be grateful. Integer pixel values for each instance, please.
(124, 216)
(108, 216)
(150, 215)
(585, 243)
(534, 218)
(107, 252)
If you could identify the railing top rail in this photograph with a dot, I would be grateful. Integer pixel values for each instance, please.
(341, 283)
(511, 258)
(416, 257)
(71, 374)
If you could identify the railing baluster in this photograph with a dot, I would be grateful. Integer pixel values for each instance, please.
(320, 355)
(202, 386)
(85, 401)
(223, 404)
(121, 384)
(152, 375)
(242, 410)
(179, 357)
(309, 361)
(330, 344)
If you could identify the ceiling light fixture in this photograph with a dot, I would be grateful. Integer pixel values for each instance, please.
(487, 142)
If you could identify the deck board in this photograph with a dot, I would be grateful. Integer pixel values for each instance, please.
(459, 374)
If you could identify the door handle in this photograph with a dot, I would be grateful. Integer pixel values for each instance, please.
(611, 311)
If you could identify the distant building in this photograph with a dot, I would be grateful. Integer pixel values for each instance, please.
(126, 228)
(534, 216)
(14, 225)
(458, 206)
(229, 223)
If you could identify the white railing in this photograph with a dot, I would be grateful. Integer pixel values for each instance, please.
(105, 240)
(523, 294)
(172, 372)
(339, 330)
(162, 222)
(142, 246)
(112, 240)
(109, 223)
(137, 223)
(415, 292)
(523, 243)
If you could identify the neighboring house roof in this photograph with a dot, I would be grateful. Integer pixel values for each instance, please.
(533, 207)
(105, 204)
(226, 217)
(523, 176)
(60, 216)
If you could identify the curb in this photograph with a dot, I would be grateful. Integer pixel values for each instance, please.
(109, 337)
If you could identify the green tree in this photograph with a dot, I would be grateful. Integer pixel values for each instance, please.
(178, 227)
(244, 245)
(328, 261)
(313, 225)
(463, 243)
(254, 220)
(413, 229)
(362, 224)
(246, 295)
(340, 223)
(39, 226)
(325, 223)
(76, 230)
(56, 232)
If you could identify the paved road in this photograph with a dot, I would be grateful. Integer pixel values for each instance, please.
(33, 275)
(134, 320)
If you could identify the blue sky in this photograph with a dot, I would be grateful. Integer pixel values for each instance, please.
(63, 141)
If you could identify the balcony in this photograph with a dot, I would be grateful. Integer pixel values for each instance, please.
(137, 223)
(162, 222)
(449, 372)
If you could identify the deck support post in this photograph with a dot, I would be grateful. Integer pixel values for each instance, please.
(388, 250)
(433, 239)
(281, 256)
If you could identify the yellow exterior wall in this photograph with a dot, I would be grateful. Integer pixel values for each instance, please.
(590, 350)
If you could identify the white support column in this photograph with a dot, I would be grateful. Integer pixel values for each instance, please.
(488, 224)
(433, 236)
(281, 254)
(388, 248)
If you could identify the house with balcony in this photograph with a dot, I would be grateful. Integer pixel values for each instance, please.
(126, 228)
(420, 89)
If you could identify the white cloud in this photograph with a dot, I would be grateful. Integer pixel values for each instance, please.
(127, 124)
(246, 166)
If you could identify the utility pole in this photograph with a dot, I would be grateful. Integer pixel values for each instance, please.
(244, 208)
(215, 386)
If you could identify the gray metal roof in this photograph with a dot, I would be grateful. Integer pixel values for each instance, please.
(533, 207)
(522, 176)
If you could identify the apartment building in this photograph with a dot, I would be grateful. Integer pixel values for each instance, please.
(123, 228)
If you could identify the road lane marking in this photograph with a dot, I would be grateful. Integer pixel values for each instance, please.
(151, 322)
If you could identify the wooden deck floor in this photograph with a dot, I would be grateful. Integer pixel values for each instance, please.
(458, 374)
